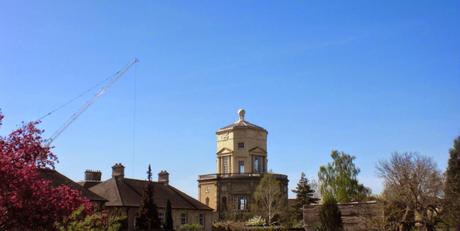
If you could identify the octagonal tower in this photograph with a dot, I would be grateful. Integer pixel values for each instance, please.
(241, 159)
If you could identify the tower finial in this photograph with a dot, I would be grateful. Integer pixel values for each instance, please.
(241, 114)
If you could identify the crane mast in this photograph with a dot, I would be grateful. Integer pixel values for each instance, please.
(118, 75)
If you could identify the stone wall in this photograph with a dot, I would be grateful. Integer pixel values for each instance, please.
(356, 216)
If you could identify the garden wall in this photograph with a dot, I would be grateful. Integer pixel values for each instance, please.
(356, 216)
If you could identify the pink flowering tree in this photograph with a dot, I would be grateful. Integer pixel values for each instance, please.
(27, 201)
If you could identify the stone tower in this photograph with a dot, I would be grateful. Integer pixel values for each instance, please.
(241, 159)
(241, 147)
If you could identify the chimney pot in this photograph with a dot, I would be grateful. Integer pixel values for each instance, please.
(163, 177)
(93, 175)
(118, 170)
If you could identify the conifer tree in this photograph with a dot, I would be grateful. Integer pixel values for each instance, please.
(304, 196)
(168, 225)
(452, 187)
(148, 214)
(330, 216)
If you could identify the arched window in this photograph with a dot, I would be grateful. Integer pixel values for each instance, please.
(207, 201)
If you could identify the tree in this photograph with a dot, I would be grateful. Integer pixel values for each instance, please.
(452, 187)
(168, 225)
(268, 198)
(27, 201)
(304, 196)
(148, 213)
(330, 216)
(338, 179)
(413, 188)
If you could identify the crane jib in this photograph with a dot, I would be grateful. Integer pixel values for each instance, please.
(118, 75)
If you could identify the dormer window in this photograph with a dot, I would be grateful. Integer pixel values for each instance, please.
(241, 145)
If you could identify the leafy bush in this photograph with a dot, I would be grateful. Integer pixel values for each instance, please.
(256, 221)
(78, 221)
(191, 227)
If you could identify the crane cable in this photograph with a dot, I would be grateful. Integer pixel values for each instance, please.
(134, 122)
(97, 85)
(119, 74)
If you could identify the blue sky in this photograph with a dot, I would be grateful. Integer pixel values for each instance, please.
(365, 77)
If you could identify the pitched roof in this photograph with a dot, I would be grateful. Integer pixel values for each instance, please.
(128, 192)
(241, 124)
(58, 179)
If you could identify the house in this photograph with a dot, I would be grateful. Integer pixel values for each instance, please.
(125, 195)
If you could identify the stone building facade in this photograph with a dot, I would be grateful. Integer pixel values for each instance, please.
(241, 161)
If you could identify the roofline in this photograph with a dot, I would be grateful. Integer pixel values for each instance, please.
(180, 194)
(222, 130)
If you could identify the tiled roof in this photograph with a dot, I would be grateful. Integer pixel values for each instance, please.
(58, 179)
(128, 192)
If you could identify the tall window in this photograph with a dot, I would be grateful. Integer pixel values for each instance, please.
(201, 219)
(241, 166)
(207, 201)
(161, 216)
(224, 203)
(183, 218)
(242, 203)
(257, 164)
(226, 163)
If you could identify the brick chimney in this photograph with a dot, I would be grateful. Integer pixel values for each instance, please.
(93, 175)
(118, 170)
(163, 177)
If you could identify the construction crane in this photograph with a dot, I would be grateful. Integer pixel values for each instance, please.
(117, 76)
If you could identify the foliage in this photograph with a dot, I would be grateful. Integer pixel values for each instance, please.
(78, 221)
(148, 213)
(27, 201)
(191, 227)
(330, 216)
(413, 188)
(338, 179)
(256, 221)
(268, 199)
(304, 196)
(452, 187)
(168, 225)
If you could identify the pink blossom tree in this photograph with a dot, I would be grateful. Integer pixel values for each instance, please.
(27, 201)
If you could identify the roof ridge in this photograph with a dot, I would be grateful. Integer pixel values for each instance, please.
(132, 188)
(118, 191)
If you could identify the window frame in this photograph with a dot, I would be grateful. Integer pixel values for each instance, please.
(183, 218)
(241, 166)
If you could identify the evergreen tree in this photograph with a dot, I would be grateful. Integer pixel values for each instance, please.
(330, 216)
(304, 196)
(452, 187)
(168, 225)
(148, 215)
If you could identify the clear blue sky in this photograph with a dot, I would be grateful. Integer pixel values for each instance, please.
(364, 77)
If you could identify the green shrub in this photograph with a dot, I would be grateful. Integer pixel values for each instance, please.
(191, 227)
(330, 216)
(256, 221)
